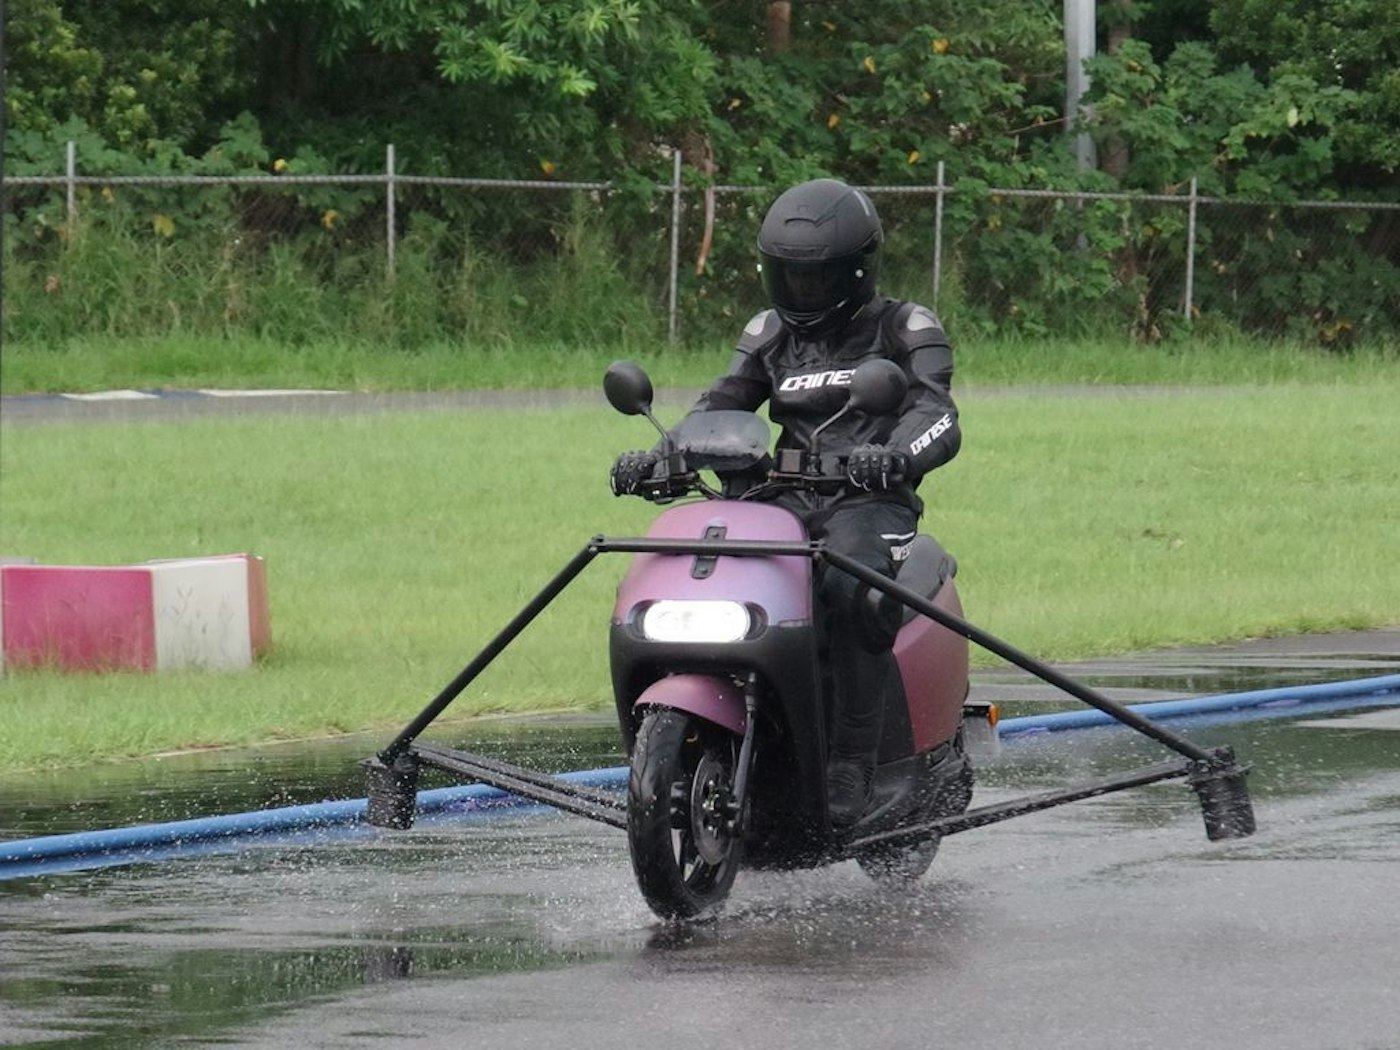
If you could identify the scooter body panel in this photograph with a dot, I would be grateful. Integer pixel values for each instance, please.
(933, 665)
(783, 653)
(779, 585)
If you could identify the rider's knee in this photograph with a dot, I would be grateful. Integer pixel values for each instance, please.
(871, 620)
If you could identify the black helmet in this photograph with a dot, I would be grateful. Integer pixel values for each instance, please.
(819, 245)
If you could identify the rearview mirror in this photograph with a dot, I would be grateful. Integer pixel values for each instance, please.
(878, 387)
(628, 388)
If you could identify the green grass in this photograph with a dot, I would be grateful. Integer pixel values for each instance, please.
(1085, 523)
(169, 363)
(194, 362)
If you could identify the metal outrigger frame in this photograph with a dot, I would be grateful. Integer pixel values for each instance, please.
(1215, 775)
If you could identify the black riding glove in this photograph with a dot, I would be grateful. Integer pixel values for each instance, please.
(876, 468)
(630, 469)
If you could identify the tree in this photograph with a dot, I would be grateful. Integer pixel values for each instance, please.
(575, 88)
(136, 71)
(1351, 45)
(881, 92)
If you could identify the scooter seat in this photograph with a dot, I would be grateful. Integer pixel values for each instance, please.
(926, 569)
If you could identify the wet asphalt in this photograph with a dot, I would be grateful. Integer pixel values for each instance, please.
(1107, 923)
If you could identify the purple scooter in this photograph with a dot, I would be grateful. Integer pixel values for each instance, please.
(719, 675)
(724, 699)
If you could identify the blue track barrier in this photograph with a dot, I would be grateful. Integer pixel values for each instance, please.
(1362, 692)
(146, 843)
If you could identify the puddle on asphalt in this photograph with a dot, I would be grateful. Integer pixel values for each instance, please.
(208, 783)
(1173, 676)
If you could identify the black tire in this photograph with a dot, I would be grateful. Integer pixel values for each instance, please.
(906, 863)
(682, 854)
(899, 865)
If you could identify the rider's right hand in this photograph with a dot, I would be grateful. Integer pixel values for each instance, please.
(630, 469)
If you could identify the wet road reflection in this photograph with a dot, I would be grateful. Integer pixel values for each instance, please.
(1110, 923)
(207, 783)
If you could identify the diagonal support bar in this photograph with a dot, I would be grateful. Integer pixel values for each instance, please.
(493, 649)
(1010, 653)
(984, 815)
(597, 545)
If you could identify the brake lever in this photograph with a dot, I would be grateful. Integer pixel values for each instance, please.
(672, 487)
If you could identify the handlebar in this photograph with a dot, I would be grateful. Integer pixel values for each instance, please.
(738, 456)
(793, 470)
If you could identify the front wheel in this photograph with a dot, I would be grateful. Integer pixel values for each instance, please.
(679, 797)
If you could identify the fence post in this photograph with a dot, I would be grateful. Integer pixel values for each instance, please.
(1190, 252)
(71, 166)
(390, 221)
(938, 236)
(671, 323)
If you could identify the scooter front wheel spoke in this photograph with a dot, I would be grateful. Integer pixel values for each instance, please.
(688, 857)
(680, 804)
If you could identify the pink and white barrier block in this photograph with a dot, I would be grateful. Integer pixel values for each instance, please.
(185, 613)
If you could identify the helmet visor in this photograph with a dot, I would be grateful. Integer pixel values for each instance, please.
(810, 287)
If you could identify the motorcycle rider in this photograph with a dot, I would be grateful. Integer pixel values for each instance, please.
(819, 248)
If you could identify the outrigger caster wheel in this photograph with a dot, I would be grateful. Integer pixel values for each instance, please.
(393, 791)
(1225, 805)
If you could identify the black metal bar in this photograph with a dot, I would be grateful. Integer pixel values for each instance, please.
(984, 815)
(1010, 653)
(567, 800)
(433, 753)
(713, 548)
(493, 649)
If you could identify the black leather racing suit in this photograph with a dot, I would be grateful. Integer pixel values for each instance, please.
(800, 377)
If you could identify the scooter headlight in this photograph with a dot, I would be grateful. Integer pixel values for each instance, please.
(704, 621)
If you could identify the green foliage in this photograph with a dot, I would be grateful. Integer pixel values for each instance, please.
(1273, 101)
(141, 72)
(573, 89)
(307, 262)
(50, 74)
(1351, 46)
(1274, 137)
(1231, 129)
(881, 100)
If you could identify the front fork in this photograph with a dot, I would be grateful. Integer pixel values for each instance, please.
(737, 808)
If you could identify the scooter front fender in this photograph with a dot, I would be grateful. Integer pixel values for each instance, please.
(716, 700)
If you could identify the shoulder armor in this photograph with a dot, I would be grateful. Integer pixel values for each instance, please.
(911, 326)
(762, 329)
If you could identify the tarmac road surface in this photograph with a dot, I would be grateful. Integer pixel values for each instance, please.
(1110, 924)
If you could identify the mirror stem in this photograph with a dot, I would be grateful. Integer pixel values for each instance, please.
(815, 451)
(667, 445)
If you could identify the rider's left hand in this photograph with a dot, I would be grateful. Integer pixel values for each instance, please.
(630, 470)
(876, 468)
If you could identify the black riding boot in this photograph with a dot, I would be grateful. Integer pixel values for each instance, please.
(859, 678)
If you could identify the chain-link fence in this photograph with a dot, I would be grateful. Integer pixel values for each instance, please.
(405, 258)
